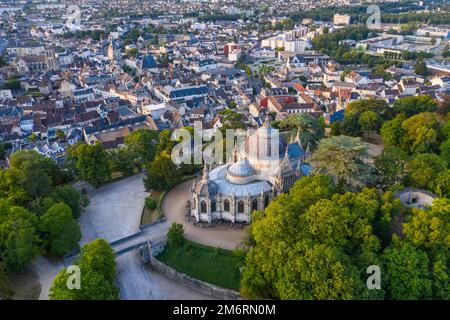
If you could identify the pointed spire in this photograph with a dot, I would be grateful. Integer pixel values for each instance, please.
(298, 139)
(308, 150)
(298, 170)
(205, 172)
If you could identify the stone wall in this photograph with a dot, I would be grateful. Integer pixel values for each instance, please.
(203, 287)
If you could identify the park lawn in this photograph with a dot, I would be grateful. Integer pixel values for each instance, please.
(213, 265)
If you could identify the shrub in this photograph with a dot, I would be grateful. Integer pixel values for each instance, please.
(150, 203)
(175, 235)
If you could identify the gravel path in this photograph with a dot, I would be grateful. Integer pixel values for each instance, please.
(174, 206)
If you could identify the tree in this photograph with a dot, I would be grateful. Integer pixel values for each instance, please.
(392, 132)
(5, 291)
(311, 243)
(61, 232)
(231, 119)
(369, 121)
(18, 239)
(342, 157)
(98, 270)
(175, 235)
(165, 142)
(421, 133)
(123, 161)
(142, 145)
(91, 161)
(407, 272)
(415, 104)
(98, 256)
(429, 228)
(70, 196)
(24, 159)
(423, 169)
(162, 173)
(93, 286)
(390, 166)
(445, 150)
(421, 68)
(2, 151)
(60, 135)
(441, 184)
(309, 128)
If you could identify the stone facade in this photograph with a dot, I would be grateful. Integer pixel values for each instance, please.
(264, 168)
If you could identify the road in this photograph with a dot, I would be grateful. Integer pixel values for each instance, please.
(113, 213)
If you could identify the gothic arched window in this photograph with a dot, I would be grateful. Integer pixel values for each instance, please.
(203, 207)
(226, 205)
(254, 204)
(266, 200)
(241, 207)
(213, 205)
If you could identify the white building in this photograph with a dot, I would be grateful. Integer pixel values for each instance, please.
(6, 94)
(341, 19)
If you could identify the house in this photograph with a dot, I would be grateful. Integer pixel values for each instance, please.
(31, 64)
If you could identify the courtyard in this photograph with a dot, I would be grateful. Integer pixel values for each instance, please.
(174, 210)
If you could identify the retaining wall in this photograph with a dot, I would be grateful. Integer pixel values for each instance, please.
(203, 287)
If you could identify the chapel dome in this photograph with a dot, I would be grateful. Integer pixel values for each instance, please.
(241, 168)
(206, 188)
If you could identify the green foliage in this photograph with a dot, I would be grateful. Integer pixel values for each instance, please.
(5, 291)
(98, 256)
(342, 157)
(91, 162)
(311, 244)
(309, 128)
(18, 239)
(421, 68)
(122, 161)
(231, 119)
(415, 104)
(429, 228)
(2, 151)
(423, 169)
(150, 203)
(162, 173)
(441, 184)
(142, 145)
(175, 235)
(390, 166)
(70, 196)
(204, 263)
(98, 270)
(11, 84)
(369, 121)
(416, 134)
(60, 230)
(407, 272)
(392, 132)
